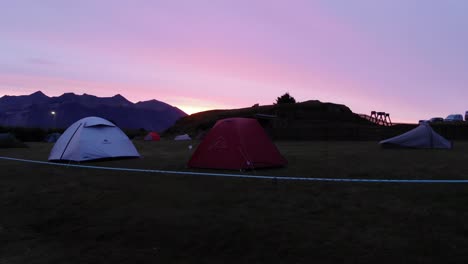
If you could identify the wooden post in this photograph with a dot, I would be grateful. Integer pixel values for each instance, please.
(389, 120)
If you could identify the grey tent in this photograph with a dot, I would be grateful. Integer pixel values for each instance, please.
(8, 140)
(52, 137)
(92, 138)
(421, 137)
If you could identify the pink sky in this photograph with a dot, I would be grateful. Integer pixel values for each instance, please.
(408, 59)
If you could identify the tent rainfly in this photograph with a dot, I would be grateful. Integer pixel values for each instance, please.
(236, 143)
(422, 136)
(183, 137)
(92, 138)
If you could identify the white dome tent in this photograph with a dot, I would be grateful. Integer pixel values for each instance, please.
(92, 138)
(183, 137)
(422, 136)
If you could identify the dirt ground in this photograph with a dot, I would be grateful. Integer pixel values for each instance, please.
(51, 214)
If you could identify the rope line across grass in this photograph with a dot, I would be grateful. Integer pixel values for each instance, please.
(229, 175)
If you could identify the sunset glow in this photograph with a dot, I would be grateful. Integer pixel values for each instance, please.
(404, 58)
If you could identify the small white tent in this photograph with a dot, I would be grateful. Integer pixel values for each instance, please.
(421, 137)
(183, 137)
(92, 138)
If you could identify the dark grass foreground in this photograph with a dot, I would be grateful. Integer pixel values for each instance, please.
(72, 215)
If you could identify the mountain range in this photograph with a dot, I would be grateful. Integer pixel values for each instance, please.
(40, 110)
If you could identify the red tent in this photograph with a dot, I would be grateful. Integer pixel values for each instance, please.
(236, 143)
(152, 136)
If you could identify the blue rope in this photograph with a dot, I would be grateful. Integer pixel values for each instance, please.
(264, 177)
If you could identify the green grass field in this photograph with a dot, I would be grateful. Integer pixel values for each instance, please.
(52, 214)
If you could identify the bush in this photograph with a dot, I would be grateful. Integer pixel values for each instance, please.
(285, 99)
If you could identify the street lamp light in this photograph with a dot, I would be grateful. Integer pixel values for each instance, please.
(53, 113)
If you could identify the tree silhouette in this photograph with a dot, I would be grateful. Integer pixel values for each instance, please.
(285, 99)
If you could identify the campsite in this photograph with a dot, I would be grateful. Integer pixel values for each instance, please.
(56, 214)
(237, 132)
(248, 190)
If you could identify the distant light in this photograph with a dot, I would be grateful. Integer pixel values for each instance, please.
(52, 112)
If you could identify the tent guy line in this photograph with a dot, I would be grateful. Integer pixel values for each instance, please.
(263, 177)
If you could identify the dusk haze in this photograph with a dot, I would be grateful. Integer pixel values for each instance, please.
(407, 58)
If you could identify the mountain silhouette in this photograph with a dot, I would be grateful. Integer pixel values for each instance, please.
(35, 110)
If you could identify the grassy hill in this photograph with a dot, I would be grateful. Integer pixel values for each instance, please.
(310, 120)
(283, 121)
